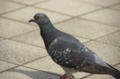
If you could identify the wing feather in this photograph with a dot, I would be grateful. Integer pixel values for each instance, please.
(70, 54)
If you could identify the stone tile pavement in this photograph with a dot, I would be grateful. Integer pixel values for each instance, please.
(96, 23)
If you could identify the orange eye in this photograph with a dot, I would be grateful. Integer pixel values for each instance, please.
(39, 17)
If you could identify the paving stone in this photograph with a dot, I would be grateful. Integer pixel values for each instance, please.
(28, 2)
(9, 28)
(103, 2)
(108, 53)
(26, 73)
(82, 40)
(1, 39)
(85, 28)
(47, 64)
(113, 39)
(118, 67)
(106, 16)
(100, 77)
(5, 66)
(19, 53)
(34, 38)
(6, 6)
(117, 7)
(73, 8)
(28, 13)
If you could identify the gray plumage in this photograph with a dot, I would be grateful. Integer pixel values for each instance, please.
(69, 53)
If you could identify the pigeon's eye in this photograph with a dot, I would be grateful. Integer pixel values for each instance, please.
(39, 17)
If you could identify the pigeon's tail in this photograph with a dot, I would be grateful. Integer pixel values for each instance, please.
(99, 69)
(116, 76)
(115, 73)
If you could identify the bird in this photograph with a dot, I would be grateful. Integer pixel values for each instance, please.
(68, 52)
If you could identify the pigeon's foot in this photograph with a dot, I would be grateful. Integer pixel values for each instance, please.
(65, 77)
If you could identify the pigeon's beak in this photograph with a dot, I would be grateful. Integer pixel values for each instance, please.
(32, 20)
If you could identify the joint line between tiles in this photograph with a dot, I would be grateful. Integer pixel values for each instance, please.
(90, 12)
(114, 9)
(107, 34)
(90, 3)
(12, 10)
(105, 43)
(113, 5)
(40, 2)
(23, 33)
(97, 22)
(17, 65)
(17, 21)
(52, 11)
(26, 43)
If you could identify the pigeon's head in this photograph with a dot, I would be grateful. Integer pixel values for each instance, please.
(40, 19)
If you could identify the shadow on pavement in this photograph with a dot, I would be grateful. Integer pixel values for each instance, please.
(36, 74)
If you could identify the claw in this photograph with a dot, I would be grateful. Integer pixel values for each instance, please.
(71, 76)
(65, 76)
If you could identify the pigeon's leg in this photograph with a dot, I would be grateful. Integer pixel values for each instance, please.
(65, 77)
(71, 76)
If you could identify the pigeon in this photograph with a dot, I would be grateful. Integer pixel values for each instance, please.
(68, 52)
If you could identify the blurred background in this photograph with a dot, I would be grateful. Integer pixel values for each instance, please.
(96, 23)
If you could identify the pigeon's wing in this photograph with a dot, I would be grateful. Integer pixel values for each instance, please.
(72, 54)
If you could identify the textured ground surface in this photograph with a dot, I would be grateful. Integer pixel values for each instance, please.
(96, 23)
